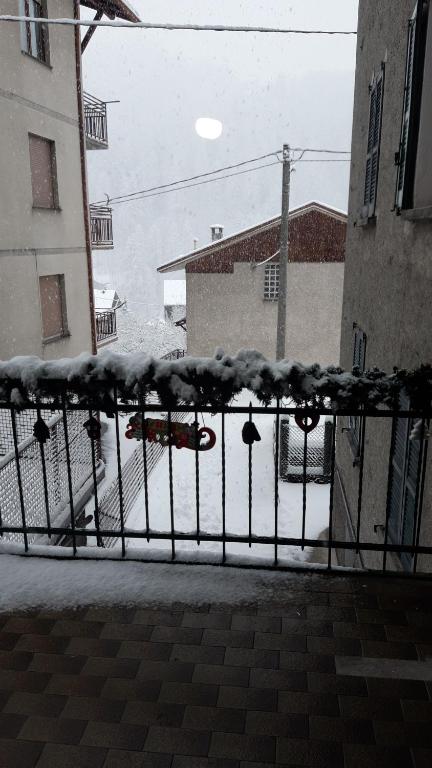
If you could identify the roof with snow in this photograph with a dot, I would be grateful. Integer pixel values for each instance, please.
(244, 234)
(106, 298)
(174, 293)
(112, 8)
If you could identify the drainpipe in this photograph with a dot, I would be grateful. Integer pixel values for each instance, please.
(84, 176)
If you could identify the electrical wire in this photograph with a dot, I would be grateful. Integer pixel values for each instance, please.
(191, 178)
(196, 184)
(171, 27)
(139, 193)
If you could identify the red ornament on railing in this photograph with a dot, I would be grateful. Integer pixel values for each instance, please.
(302, 422)
(180, 436)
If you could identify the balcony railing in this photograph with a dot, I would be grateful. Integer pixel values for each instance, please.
(221, 493)
(96, 127)
(106, 326)
(175, 354)
(101, 227)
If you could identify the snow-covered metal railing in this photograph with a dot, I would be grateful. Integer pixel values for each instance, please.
(221, 490)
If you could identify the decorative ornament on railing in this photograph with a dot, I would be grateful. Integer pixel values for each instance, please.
(93, 428)
(307, 423)
(41, 430)
(176, 433)
(250, 433)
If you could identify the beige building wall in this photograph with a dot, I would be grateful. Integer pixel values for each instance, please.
(40, 99)
(388, 278)
(229, 311)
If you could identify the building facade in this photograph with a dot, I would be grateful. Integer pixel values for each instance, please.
(46, 294)
(232, 288)
(388, 273)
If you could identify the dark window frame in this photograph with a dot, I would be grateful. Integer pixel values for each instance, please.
(35, 36)
(373, 148)
(64, 332)
(54, 179)
(356, 423)
(406, 156)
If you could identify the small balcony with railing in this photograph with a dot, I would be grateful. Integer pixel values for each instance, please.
(101, 227)
(106, 327)
(96, 124)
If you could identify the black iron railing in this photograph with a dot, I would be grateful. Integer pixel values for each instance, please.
(101, 226)
(175, 354)
(106, 325)
(96, 127)
(215, 455)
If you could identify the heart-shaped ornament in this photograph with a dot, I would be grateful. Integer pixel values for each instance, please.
(303, 422)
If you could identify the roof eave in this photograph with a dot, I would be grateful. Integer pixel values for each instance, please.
(113, 8)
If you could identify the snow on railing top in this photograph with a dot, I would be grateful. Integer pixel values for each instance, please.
(209, 381)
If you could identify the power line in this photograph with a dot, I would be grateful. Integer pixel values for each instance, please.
(219, 178)
(192, 178)
(196, 184)
(171, 27)
(137, 195)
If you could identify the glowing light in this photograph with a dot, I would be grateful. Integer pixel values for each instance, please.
(208, 128)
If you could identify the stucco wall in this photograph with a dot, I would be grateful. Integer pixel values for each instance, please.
(388, 274)
(229, 311)
(40, 99)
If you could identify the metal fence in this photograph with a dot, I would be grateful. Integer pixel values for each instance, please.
(96, 124)
(41, 481)
(101, 226)
(106, 325)
(175, 354)
(30, 495)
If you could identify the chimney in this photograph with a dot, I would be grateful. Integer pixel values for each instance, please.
(195, 242)
(216, 232)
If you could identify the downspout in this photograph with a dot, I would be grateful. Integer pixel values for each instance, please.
(84, 176)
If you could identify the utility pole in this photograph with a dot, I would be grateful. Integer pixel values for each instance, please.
(283, 254)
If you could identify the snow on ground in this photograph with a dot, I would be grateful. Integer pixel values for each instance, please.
(45, 583)
(156, 337)
(237, 489)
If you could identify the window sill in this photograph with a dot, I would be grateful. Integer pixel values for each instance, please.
(53, 339)
(36, 58)
(417, 214)
(55, 208)
(362, 221)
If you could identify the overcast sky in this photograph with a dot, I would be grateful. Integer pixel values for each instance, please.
(266, 90)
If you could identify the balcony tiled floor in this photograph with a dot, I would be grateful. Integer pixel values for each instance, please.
(248, 687)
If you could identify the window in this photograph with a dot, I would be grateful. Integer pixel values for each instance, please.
(406, 470)
(43, 172)
(373, 145)
(53, 306)
(414, 158)
(34, 37)
(359, 361)
(271, 282)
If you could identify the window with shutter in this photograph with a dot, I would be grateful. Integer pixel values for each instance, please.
(34, 37)
(373, 145)
(405, 481)
(359, 361)
(406, 157)
(53, 306)
(43, 172)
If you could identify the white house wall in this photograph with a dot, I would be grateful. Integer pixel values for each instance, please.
(229, 311)
(35, 98)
